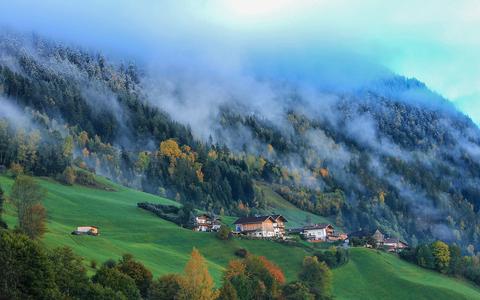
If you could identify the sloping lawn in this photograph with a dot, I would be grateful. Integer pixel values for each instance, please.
(372, 275)
(165, 248)
(161, 245)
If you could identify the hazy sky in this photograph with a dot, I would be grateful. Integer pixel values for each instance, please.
(437, 42)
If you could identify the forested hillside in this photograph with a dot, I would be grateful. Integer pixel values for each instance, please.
(376, 156)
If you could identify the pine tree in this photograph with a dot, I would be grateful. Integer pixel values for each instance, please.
(2, 200)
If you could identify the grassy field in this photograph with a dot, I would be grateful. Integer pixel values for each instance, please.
(377, 275)
(295, 216)
(164, 247)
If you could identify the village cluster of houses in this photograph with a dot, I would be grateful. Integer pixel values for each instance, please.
(207, 223)
(320, 233)
(271, 226)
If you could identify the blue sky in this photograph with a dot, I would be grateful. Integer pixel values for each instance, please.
(437, 42)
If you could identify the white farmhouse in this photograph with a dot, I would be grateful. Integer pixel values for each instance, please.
(317, 232)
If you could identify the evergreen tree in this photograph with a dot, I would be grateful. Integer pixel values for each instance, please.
(425, 257)
(456, 263)
(3, 224)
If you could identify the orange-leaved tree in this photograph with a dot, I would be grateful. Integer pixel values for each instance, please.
(197, 283)
(273, 269)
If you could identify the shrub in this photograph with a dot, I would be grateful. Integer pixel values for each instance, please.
(85, 178)
(16, 170)
(242, 252)
(333, 257)
(93, 264)
(224, 233)
(297, 291)
(68, 176)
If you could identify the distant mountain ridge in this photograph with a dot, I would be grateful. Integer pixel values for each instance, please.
(392, 155)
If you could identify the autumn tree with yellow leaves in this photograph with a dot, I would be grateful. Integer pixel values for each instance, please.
(197, 284)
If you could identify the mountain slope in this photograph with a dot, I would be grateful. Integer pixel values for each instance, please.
(164, 247)
(295, 216)
(391, 155)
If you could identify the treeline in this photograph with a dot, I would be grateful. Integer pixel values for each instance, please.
(210, 178)
(182, 216)
(39, 150)
(33, 272)
(446, 259)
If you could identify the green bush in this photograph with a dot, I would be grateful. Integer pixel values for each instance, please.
(224, 233)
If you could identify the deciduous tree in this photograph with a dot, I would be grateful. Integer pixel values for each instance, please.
(317, 277)
(166, 287)
(441, 254)
(27, 196)
(26, 272)
(197, 283)
(137, 271)
(117, 281)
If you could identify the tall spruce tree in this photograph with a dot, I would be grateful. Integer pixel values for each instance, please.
(3, 224)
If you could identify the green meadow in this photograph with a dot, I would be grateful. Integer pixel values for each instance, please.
(165, 248)
(372, 274)
(161, 245)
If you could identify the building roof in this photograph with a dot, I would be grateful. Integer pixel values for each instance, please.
(317, 226)
(208, 216)
(276, 217)
(393, 241)
(204, 215)
(253, 220)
